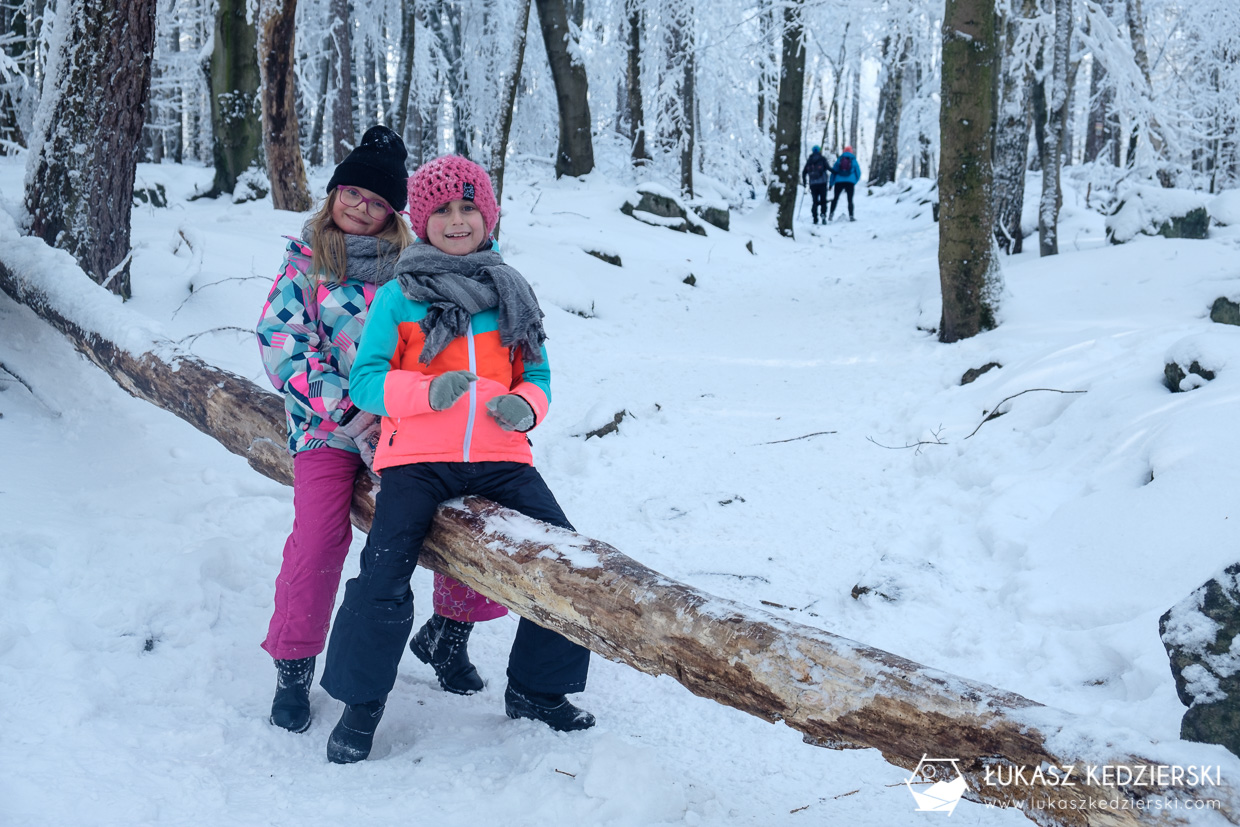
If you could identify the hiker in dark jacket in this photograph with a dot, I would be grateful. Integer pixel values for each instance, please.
(815, 174)
(844, 176)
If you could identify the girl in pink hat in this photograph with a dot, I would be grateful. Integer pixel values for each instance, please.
(454, 361)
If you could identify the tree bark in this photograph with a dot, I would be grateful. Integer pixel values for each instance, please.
(575, 154)
(679, 105)
(1011, 149)
(88, 132)
(279, 96)
(404, 83)
(786, 165)
(236, 123)
(636, 21)
(838, 693)
(341, 81)
(508, 100)
(1136, 32)
(886, 157)
(320, 110)
(13, 19)
(1056, 119)
(1102, 134)
(444, 21)
(968, 269)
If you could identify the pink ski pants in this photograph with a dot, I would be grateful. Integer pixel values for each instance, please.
(315, 552)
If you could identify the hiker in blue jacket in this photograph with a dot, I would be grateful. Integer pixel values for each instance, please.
(815, 173)
(844, 176)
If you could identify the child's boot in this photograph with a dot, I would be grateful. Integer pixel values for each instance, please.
(553, 710)
(354, 734)
(290, 709)
(442, 643)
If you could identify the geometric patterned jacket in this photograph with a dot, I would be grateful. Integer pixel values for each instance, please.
(308, 335)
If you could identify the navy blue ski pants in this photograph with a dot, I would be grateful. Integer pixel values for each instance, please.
(375, 618)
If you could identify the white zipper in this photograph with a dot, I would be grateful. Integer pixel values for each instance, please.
(473, 389)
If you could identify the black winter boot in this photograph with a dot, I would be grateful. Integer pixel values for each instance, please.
(553, 710)
(290, 709)
(354, 734)
(442, 643)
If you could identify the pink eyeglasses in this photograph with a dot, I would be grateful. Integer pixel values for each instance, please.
(376, 208)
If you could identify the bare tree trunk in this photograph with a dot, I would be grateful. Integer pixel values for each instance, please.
(968, 268)
(786, 165)
(444, 21)
(276, 37)
(886, 157)
(236, 125)
(341, 81)
(508, 99)
(1012, 137)
(679, 106)
(854, 117)
(320, 109)
(383, 87)
(404, 84)
(833, 110)
(575, 155)
(1056, 117)
(838, 693)
(1136, 32)
(633, 83)
(1103, 130)
(13, 18)
(87, 133)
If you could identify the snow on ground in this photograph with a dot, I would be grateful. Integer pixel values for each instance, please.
(763, 458)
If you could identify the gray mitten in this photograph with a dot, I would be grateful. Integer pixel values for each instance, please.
(448, 387)
(511, 412)
(355, 423)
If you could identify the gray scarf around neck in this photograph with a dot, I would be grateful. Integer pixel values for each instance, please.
(457, 287)
(370, 259)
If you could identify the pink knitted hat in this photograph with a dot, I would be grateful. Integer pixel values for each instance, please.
(445, 179)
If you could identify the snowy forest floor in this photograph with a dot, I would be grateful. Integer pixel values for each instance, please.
(762, 459)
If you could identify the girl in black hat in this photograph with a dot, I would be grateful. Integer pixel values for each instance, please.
(308, 337)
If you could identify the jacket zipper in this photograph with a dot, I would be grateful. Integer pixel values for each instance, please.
(392, 438)
(473, 389)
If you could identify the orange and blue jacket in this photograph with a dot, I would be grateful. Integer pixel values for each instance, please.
(387, 379)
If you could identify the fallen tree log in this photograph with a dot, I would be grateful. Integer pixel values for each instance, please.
(836, 692)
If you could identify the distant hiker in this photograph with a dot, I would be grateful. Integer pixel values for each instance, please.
(845, 174)
(815, 174)
(453, 359)
(308, 337)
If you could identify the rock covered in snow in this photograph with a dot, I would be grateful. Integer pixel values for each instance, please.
(1200, 636)
(1195, 360)
(1225, 208)
(1152, 210)
(659, 206)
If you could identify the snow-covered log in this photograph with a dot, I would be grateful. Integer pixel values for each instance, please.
(837, 692)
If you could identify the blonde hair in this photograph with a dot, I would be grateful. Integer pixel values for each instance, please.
(330, 253)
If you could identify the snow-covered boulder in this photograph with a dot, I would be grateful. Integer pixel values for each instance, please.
(1225, 208)
(1195, 360)
(1153, 210)
(1225, 311)
(659, 206)
(1200, 636)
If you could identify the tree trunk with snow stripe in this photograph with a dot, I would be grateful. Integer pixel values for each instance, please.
(86, 135)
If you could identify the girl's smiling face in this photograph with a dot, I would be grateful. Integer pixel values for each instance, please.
(456, 228)
(357, 220)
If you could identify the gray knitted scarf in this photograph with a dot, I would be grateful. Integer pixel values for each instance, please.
(370, 259)
(457, 287)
